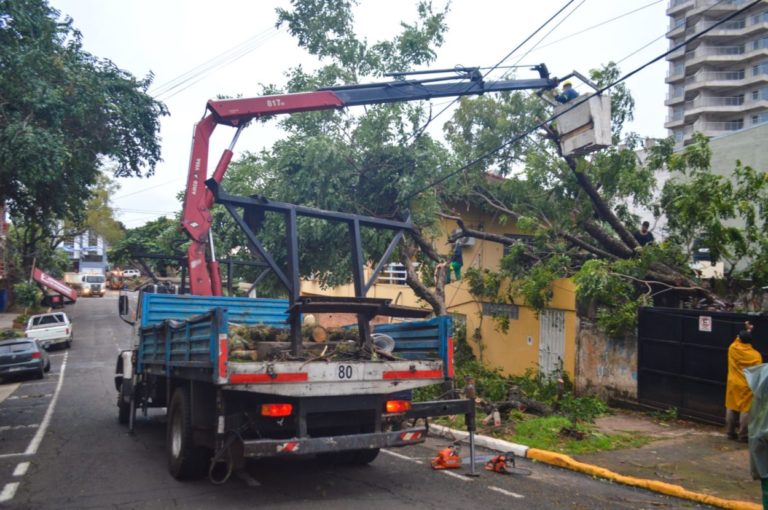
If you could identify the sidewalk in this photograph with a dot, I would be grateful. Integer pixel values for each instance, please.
(6, 320)
(687, 460)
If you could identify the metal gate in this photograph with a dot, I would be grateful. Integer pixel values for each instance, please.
(682, 358)
(551, 340)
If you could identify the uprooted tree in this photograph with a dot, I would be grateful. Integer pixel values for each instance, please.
(577, 220)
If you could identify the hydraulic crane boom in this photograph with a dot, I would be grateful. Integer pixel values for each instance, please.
(204, 278)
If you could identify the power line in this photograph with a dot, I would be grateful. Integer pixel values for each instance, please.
(550, 31)
(598, 25)
(491, 69)
(142, 190)
(596, 93)
(182, 82)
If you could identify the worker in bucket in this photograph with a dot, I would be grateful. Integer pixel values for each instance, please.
(738, 396)
(567, 94)
(457, 261)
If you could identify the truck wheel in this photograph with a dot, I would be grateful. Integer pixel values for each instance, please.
(185, 460)
(123, 409)
(363, 457)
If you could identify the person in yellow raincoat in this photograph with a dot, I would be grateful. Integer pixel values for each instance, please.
(738, 396)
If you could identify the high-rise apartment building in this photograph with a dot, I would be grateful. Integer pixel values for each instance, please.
(718, 84)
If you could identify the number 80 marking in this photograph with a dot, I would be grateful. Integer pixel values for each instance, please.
(345, 371)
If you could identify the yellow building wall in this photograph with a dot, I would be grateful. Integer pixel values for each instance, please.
(513, 351)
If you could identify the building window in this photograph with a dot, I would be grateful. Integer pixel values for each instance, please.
(760, 119)
(678, 134)
(760, 43)
(761, 68)
(501, 310)
(392, 274)
(760, 18)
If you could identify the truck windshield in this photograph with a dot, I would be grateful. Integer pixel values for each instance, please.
(94, 279)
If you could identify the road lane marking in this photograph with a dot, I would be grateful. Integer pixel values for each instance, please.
(456, 475)
(506, 492)
(21, 469)
(16, 427)
(43, 395)
(9, 491)
(403, 457)
(35, 443)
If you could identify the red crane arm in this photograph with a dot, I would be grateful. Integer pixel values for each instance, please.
(204, 278)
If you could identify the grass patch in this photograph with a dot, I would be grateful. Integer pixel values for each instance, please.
(545, 433)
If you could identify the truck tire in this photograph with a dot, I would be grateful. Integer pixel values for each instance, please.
(185, 460)
(123, 408)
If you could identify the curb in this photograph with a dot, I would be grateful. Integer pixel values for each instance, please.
(564, 461)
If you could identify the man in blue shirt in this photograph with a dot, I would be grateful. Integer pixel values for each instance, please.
(567, 94)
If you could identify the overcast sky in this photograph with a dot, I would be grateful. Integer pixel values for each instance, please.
(171, 37)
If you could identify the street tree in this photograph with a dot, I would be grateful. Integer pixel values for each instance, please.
(161, 236)
(64, 113)
(363, 161)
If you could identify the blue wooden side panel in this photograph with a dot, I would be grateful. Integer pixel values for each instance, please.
(157, 308)
(426, 339)
(183, 330)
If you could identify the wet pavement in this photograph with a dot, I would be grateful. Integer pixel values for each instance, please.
(695, 456)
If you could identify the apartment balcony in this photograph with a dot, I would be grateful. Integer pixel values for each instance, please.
(712, 128)
(715, 8)
(674, 100)
(734, 82)
(675, 120)
(677, 6)
(712, 104)
(676, 28)
(675, 75)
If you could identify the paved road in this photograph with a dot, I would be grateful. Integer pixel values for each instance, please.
(62, 448)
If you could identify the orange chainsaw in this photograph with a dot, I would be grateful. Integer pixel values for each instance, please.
(447, 458)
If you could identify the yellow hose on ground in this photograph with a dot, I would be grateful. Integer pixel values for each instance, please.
(564, 461)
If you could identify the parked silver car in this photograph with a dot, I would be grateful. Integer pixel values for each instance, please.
(24, 356)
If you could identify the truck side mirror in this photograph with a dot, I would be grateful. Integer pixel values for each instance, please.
(122, 305)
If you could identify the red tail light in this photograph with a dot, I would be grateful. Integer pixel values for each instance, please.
(67, 331)
(36, 355)
(276, 410)
(398, 406)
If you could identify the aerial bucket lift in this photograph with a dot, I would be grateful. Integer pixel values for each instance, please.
(583, 123)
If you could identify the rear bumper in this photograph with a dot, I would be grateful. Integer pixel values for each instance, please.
(314, 445)
(21, 368)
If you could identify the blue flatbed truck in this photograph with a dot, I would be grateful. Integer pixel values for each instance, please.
(221, 412)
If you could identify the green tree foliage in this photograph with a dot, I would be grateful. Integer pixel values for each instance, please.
(63, 112)
(364, 161)
(160, 237)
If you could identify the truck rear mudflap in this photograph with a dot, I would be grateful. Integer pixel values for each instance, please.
(313, 445)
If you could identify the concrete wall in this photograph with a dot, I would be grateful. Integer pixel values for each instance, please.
(605, 366)
(747, 146)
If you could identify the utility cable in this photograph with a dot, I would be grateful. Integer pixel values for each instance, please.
(596, 93)
(598, 25)
(182, 82)
(418, 132)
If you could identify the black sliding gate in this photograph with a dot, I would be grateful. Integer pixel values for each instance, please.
(682, 358)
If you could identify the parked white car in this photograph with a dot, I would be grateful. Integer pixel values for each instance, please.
(131, 273)
(54, 328)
